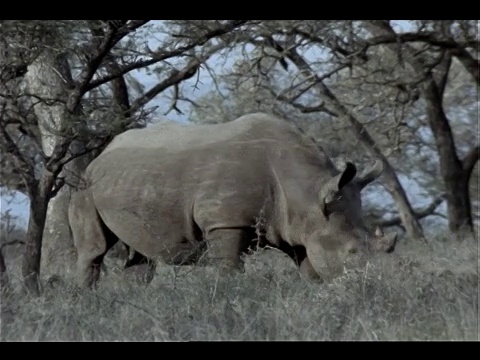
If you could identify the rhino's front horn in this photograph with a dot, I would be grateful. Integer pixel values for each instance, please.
(371, 174)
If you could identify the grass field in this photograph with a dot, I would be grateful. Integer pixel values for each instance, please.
(420, 292)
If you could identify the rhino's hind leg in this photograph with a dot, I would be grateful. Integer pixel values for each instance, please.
(91, 237)
(307, 270)
(144, 266)
(225, 247)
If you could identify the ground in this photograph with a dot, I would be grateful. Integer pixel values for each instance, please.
(421, 292)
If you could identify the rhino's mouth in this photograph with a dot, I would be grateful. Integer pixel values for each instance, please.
(328, 264)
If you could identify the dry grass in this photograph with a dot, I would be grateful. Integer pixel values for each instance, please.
(421, 292)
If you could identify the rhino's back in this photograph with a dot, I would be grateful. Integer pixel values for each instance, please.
(186, 161)
(175, 137)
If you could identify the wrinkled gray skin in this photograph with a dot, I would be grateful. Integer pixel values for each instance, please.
(185, 194)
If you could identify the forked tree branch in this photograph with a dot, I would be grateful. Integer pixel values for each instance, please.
(109, 40)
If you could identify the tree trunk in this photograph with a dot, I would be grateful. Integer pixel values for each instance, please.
(36, 224)
(44, 81)
(454, 176)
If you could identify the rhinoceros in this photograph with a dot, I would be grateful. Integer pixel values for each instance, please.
(186, 194)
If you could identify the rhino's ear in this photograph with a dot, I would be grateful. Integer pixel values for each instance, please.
(347, 175)
(329, 193)
(370, 174)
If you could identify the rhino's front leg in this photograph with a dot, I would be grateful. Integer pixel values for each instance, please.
(225, 247)
(88, 270)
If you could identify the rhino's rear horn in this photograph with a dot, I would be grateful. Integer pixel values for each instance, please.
(371, 174)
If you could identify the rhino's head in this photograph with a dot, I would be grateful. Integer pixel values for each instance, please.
(342, 232)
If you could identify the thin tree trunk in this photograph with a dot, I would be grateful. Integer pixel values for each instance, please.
(3, 272)
(36, 224)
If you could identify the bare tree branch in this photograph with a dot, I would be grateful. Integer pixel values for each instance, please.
(112, 36)
(313, 109)
(11, 243)
(176, 97)
(110, 39)
(333, 101)
(303, 108)
(336, 48)
(419, 213)
(457, 49)
(432, 38)
(174, 78)
(96, 144)
(164, 55)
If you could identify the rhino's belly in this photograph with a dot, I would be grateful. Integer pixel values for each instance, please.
(164, 238)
